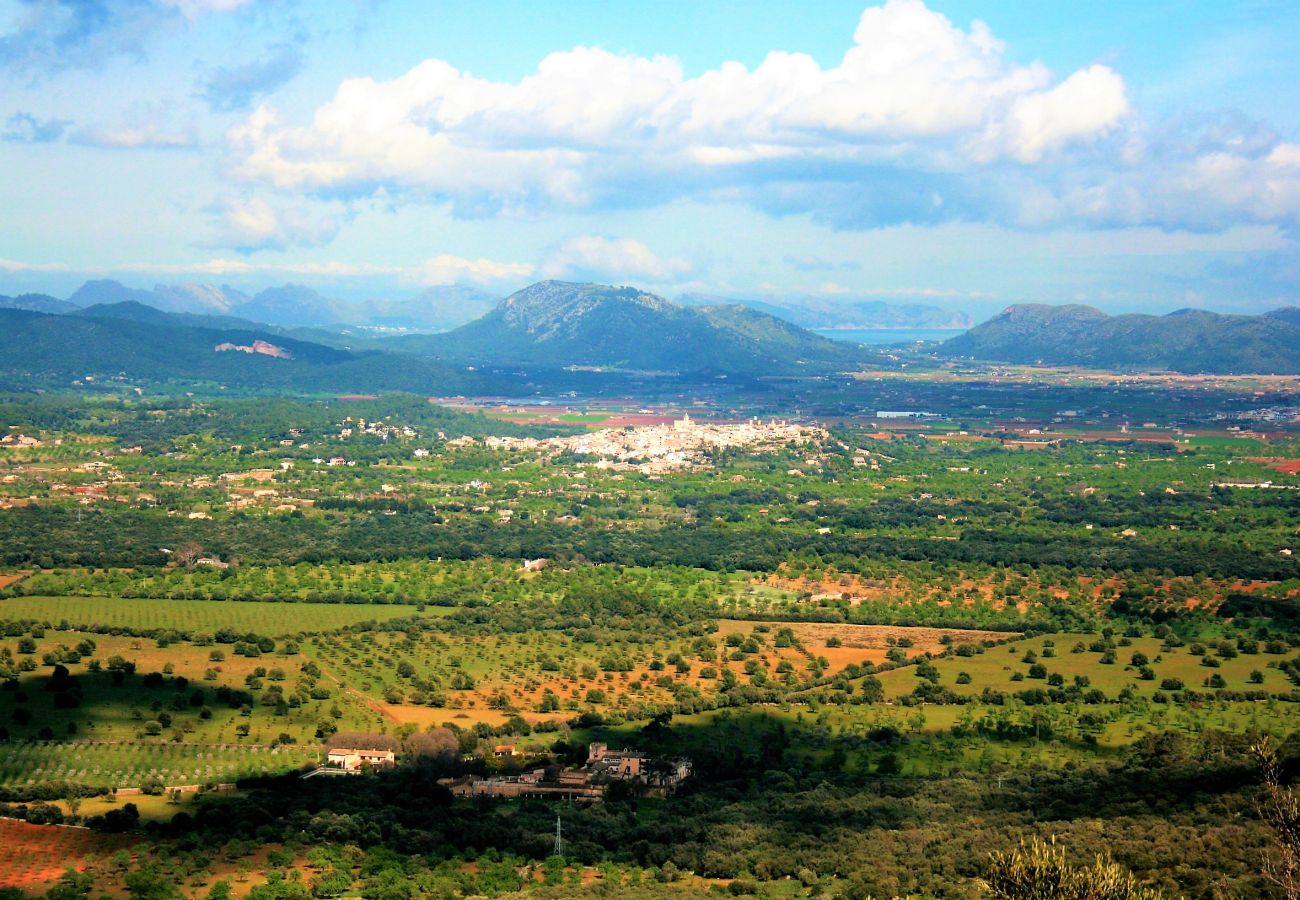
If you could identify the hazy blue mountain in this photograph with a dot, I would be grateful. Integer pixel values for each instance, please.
(193, 297)
(292, 304)
(845, 312)
(556, 324)
(106, 290)
(1189, 340)
(1287, 314)
(437, 308)
(37, 303)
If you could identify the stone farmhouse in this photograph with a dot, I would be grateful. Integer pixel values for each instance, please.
(604, 766)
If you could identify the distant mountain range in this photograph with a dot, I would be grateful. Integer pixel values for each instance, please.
(43, 303)
(169, 332)
(435, 309)
(139, 343)
(1188, 340)
(555, 324)
(843, 312)
(444, 307)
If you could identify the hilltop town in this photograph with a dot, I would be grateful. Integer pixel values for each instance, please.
(680, 445)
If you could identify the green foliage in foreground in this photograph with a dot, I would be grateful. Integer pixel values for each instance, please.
(1039, 872)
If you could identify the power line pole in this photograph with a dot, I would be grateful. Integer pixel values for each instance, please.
(559, 841)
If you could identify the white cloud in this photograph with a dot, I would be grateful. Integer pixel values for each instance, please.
(248, 224)
(13, 265)
(447, 269)
(925, 293)
(591, 127)
(130, 138)
(193, 9)
(591, 256)
(1089, 104)
(442, 269)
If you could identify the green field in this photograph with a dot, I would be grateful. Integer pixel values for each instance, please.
(129, 764)
(997, 666)
(258, 617)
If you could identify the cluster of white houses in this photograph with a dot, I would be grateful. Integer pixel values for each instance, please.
(653, 449)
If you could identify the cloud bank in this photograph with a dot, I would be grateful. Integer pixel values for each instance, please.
(921, 122)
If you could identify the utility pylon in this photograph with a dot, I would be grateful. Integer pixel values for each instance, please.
(559, 841)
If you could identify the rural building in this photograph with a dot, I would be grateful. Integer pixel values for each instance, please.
(586, 783)
(351, 759)
(634, 766)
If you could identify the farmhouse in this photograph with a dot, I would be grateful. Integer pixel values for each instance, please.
(637, 767)
(603, 767)
(350, 759)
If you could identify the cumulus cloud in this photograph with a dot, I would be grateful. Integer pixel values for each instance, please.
(921, 121)
(447, 269)
(249, 224)
(592, 256)
(230, 88)
(25, 128)
(590, 127)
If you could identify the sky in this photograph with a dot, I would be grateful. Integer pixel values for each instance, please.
(1135, 157)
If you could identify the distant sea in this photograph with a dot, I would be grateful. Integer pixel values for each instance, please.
(888, 335)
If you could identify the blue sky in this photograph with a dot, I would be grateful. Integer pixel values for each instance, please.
(970, 154)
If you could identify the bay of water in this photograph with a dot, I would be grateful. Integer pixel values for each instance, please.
(888, 335)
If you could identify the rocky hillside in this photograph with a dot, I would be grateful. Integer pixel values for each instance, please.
(557, 324)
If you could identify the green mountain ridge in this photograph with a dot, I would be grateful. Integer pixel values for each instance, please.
(1188, 340)
(556, 324)
(142, 344)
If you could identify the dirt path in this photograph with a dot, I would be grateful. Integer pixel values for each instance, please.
(369, 702)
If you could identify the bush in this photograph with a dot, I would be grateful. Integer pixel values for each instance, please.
(1039, 871)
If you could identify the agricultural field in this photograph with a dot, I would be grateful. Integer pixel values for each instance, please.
(32, 857)
(196, 616)
(867, 641)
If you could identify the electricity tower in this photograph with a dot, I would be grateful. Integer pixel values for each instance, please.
(559, 841)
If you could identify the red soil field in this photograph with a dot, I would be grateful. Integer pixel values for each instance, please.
(33, 857)
(12, 578)
(1285, 466)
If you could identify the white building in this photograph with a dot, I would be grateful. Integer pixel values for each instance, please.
(353, 760)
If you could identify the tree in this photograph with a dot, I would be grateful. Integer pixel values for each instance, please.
(1039, 872)
(220, 890)
(73, 799)
(1281, 810)
(187, 554)
(149, 882)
